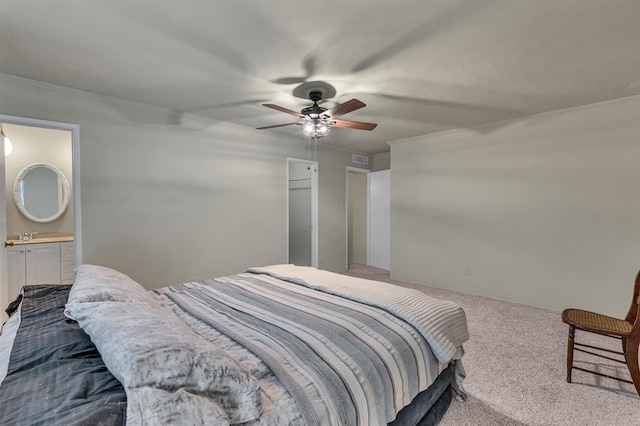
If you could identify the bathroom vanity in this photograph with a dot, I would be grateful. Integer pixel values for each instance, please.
(46, 259)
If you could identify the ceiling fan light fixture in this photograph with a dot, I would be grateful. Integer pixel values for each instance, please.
(315, 127)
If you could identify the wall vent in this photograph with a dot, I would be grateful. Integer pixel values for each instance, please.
(359, 159)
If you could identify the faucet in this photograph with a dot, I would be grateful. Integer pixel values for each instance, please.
(25, 236)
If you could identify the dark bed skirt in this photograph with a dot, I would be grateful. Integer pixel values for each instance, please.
(428, 408)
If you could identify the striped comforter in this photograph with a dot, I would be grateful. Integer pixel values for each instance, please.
(349, 351)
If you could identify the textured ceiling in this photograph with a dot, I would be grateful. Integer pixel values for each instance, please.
(420, 66)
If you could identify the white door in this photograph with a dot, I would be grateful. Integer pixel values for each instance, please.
(5, 296)
(380, 219)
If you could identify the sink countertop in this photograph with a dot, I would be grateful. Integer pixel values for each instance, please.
(54, 237)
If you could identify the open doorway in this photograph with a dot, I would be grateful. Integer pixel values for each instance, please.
(32, 149)
(357, 216)
(302, 212)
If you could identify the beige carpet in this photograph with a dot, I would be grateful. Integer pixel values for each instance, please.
(516, 368)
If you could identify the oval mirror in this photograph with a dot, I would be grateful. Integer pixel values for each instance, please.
(41, 192)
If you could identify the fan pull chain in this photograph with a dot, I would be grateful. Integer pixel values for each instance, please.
(315, 148)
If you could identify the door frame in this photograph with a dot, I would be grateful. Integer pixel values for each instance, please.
(75, 167)
(314, 209)
(346, 212)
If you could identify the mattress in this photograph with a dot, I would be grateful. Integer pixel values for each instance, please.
(276, 336)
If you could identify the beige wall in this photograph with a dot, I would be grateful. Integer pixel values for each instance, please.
(332, 207)
(382, 161)
(543, 210)
(36, 145)
(165, 203)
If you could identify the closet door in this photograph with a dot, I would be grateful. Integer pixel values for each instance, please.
(380, 219)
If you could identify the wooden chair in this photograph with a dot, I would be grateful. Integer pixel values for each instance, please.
(627, 330)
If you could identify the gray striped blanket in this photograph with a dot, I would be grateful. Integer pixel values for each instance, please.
(442, 323)
(348, 355)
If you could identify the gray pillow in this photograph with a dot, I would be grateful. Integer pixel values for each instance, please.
(95, 283)
(150, 406)
(149, 349)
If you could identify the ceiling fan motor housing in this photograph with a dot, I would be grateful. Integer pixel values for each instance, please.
(315, 110)
(315, 96)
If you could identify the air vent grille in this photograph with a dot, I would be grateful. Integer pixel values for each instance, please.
(359, 159)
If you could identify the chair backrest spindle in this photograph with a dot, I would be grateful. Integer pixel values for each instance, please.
(633, 315)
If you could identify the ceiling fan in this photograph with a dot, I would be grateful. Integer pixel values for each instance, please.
(316, 120)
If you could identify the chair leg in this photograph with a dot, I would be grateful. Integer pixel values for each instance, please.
(572, 333)
(631, 354)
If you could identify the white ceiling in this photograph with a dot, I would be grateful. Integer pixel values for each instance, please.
(420, 66)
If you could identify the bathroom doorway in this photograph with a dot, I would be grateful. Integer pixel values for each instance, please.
(20, 125)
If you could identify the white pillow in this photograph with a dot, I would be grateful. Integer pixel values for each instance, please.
(147, 347)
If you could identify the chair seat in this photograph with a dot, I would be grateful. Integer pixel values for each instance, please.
(627, 330)
(591, 321)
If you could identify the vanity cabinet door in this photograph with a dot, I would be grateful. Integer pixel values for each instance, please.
(16, 270)
(43, 263)
(67, 262)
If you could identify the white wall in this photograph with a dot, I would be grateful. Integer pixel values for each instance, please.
(165, 203)
(543, 210)
(332, 219)
(381, 161)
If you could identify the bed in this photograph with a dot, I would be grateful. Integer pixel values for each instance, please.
(275, 345)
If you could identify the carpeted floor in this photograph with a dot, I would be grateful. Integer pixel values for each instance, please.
(516, 368)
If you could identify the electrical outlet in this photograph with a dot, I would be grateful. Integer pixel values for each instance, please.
(467, 272)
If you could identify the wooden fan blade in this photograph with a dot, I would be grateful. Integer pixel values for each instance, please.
(354, 124)
(344, 108)
(277, 125)
(283, 109)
